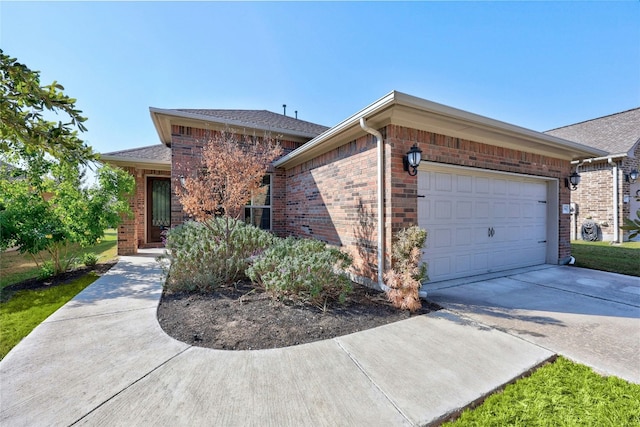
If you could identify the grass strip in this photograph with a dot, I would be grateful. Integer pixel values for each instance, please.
(622, 258)
(16, 267)
(562, 393)
(27, 309)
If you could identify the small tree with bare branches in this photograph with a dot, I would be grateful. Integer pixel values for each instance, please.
(219, 186)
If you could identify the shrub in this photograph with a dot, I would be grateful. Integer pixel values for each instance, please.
(89, 259)
(195, 254)
(47, 269)
(304, 270)
(406, 276)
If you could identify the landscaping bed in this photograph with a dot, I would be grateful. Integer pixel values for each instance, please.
(243, 317)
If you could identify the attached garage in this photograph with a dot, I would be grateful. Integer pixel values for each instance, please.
(482, 221)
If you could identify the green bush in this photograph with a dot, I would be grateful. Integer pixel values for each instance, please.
(198, 257)
(304, 270)
(47, 269)
(89, 259)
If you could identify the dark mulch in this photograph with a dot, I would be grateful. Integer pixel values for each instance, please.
(60, 279)
(243, 317)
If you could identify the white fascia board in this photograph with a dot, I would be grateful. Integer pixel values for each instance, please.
(450, 119)
(476, 120)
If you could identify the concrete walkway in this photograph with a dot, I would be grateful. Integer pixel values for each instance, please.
(103, 359)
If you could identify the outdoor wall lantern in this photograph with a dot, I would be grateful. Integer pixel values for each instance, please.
(412, 160)
(182, 180)
(572, 182)
(632, 177)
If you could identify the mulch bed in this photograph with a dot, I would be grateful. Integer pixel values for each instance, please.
(244, 317)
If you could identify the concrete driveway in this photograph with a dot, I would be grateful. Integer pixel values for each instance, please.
(591, 317)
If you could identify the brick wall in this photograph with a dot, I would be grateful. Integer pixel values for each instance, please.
(461, 152)
(186, 151)
(594, 196)
(333, 197)
(132, 232)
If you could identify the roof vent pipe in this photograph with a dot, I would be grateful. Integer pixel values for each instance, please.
(380, 146)
(296, 114)
(284, 107)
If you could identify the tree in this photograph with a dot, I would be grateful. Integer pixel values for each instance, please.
(47, 209)
(24, 130)
(222, 182)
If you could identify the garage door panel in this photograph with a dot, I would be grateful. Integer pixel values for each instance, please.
(480, 222)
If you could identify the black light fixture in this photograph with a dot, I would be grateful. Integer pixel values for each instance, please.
(572, 182)
(632, 177)
(412, 160)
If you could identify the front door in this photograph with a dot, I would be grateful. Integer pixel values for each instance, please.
(158, 207)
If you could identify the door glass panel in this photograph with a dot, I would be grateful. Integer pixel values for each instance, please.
(161, 199)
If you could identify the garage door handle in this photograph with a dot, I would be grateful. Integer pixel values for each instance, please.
(492, 232)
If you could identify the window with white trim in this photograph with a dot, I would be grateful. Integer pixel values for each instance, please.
(258, 211)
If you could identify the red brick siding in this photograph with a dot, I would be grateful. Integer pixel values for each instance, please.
(456, 151)
(594, 196)
(132, 232)
(186, 150)
(333, 197)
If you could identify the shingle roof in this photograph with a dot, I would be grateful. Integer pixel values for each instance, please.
(261, 118)
(152, 153)
(616, 133)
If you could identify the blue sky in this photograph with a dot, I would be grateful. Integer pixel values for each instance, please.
(536, 64)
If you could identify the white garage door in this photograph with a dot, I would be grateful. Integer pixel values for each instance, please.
(480, 222)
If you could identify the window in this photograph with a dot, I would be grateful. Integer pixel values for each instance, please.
(258, 211)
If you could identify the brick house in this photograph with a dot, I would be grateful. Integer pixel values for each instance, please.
(492, 195)
(608, 191)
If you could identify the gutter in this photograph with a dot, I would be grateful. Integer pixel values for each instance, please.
(380, 148)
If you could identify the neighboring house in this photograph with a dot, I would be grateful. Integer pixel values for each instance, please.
(608, 191)
(491, 195)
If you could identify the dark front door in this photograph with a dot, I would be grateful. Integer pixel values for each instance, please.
(158, 207)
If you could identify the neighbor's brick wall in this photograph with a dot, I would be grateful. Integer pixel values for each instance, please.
(333, 197)
(594, 195)
(186, 151)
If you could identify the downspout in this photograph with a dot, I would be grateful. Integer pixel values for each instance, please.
(380, 147)
(616, 219)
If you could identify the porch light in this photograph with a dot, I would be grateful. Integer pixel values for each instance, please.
(632, 177)
(412, 160)
(572, 182)
(182, 180)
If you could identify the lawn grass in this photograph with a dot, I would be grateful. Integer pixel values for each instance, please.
(16, 267)
(562, 393)
(27, 309)
(621, 258)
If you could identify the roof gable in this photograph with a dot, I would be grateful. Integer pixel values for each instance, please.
(616, 134)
